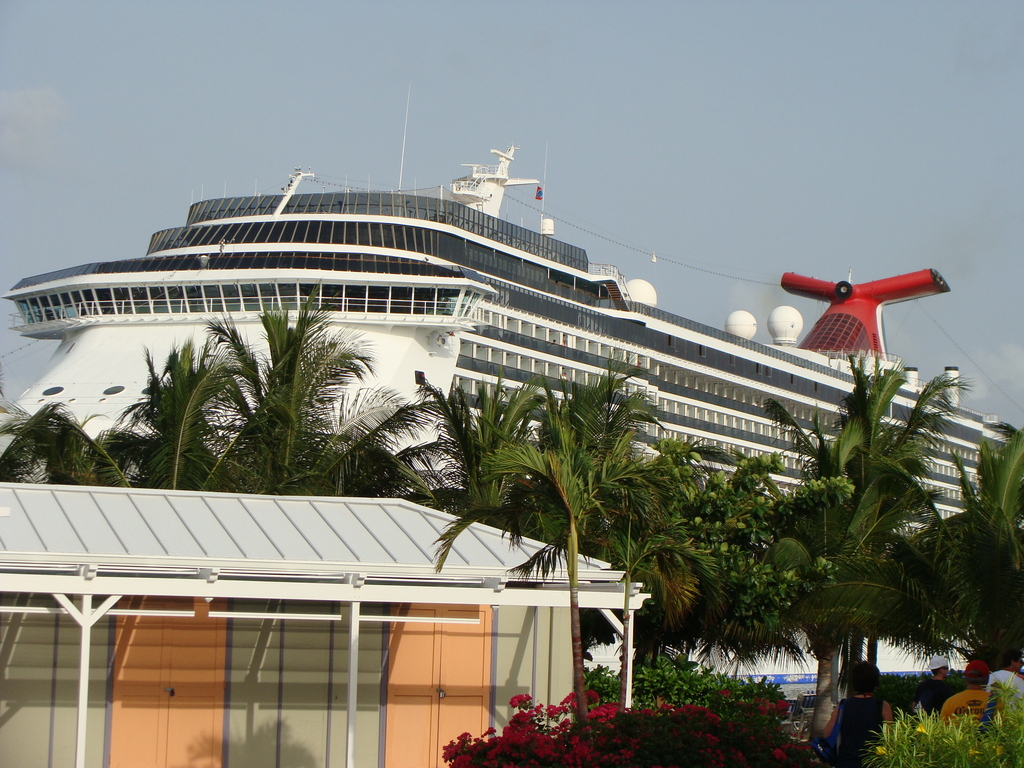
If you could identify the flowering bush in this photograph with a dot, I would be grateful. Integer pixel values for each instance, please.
(673, 737)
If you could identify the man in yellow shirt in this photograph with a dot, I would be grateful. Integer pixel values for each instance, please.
(972, 701)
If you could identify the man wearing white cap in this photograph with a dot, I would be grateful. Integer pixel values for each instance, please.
(932, 694)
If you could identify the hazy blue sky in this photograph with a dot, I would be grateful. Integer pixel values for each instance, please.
(747, 138)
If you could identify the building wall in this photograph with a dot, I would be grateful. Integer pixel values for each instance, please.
(533, 655)
(39, 688)
(285, 683)
(287, 696)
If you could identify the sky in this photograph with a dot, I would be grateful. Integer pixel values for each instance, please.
(736, 140)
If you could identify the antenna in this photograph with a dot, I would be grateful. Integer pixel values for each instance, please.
(544, 183)
(405, 132)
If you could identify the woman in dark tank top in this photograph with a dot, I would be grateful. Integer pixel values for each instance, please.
(863, 716)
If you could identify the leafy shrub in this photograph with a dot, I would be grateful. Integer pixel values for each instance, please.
(679, 737)
(928, 742)
(679, 681)
(899, 690)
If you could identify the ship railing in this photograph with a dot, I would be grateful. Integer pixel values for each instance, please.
(860, 354)
(605, 270)
(208, 305)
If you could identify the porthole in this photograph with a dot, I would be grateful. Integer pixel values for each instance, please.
(53, 391)
(113, 390)
(145, 391)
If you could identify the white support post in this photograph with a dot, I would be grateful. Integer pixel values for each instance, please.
(353, 686)
(628, 656)
(83, 680)
(85, 618)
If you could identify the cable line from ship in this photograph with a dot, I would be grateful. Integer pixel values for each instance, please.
(973, 362)
(651, 254)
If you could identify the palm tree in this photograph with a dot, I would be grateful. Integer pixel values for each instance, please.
(564, 488)
(976, 557)
(282, 408)
(51, 446)
(881, 449)
(469, 429)
(172, 437)
(370, 447)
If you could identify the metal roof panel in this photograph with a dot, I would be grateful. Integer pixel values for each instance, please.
(278, 528)
(221, 527)
(248, 536)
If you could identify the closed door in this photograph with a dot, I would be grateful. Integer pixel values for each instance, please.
(438, 683)
(168, 702)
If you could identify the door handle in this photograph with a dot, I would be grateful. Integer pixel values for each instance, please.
(170, 691)
(440, 693)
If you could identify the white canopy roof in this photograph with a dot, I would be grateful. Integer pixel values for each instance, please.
(90, 540)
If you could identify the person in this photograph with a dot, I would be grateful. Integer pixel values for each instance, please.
(932, 694)
(863, 716)
(972, 701)
(1009, 675)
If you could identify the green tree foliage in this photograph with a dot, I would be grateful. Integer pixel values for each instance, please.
(226, 417)
(861, 495)
(971, 565)
(733, 518)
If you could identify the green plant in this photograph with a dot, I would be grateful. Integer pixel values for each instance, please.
(899, 690)
(677, 682)
(928, 742)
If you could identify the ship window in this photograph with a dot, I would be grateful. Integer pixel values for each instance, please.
(423, 303)
(376, 235)
(249, 297)
(268, 294)
(104, 298)
(113, 390)
(175, 295)
(122, 301)
(195, 298)
(231, 300)
(362, 233)
(140, 299)
(355, 297)
(158, 295)
(53, 391)
(287, 291)
(378, 299)
(401, 299)
(447, 299)
(213, 302)
(700, 350)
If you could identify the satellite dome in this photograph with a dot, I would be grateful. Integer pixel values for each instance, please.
(642, 291)
(741, 323)
(785, 324)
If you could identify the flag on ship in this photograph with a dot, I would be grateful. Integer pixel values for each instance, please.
(540, 194)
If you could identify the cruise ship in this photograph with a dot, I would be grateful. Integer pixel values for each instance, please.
(443, 290)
